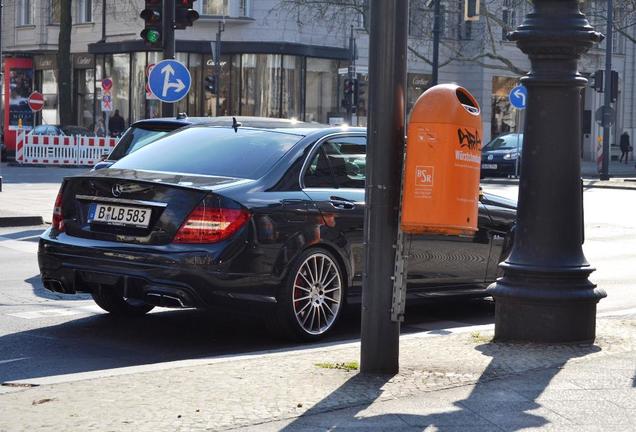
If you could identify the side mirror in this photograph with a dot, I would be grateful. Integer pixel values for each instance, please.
(481, 193)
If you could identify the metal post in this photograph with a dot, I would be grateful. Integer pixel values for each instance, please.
(436, 35)
(217, 66)
(169, 47)
(103, 21)
(386, 129)
(351, 75)
(545, 294)
(1, 90)
(608, 92)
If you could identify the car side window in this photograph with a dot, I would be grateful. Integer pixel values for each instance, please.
(39, 130)
(339, 162)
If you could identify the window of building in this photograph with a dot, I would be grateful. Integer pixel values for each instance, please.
(508, 18)
(84, 11)
(54, 12)
(245, 8)
(420, 19)
(24, 12)
(214, 7)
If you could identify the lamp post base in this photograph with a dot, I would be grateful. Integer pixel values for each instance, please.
(563, 321)
(546, 306)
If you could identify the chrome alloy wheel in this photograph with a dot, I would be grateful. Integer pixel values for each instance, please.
(317, 294)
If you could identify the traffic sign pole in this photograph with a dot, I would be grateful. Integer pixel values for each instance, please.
(608, 92)
(169, 48)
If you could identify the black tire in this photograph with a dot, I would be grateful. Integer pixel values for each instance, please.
(111, 300)
(326, 305)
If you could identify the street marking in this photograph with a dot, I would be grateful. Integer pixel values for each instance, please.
(13, 360)
(19, 246)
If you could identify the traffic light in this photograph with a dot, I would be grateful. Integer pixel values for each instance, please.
(614, 86)
(598, 81)
(349, 91)
(471, 10)
(153, 20)
(184, 14)
(210, 83)
(359, 98)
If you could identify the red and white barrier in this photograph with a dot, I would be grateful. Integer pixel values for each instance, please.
(61, 150)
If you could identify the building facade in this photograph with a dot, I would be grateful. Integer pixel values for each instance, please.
(278, 60)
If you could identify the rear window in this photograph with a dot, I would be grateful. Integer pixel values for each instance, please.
(134, 139)
(246, 153)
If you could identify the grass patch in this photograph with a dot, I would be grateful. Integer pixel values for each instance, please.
(345, 366)
(479, 338)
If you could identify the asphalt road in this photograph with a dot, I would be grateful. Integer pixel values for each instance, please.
(44, 334)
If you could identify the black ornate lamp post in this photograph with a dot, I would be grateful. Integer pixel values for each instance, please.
(545, 294)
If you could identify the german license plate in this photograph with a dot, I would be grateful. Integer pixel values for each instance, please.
(489, 166)
(136, 217)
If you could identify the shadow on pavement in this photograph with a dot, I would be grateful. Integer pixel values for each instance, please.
(492, 404)
(102, 341)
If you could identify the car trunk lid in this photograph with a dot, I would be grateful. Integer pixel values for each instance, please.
(134, 206)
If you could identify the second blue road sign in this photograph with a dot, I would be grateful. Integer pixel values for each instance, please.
(518, 97)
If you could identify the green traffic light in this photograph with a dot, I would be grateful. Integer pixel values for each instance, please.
(153, 36)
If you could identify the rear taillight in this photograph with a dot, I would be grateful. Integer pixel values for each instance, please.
(58, 218)
(207, 224)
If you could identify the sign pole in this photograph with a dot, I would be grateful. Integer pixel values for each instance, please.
(608, 92)
(380, 336)
(169, 48)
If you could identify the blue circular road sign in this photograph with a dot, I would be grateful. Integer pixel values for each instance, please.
(518, 97)
(169, 81)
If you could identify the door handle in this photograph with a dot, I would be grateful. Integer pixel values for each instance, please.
(341, 203)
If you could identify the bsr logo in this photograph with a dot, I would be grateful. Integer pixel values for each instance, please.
(423, 176)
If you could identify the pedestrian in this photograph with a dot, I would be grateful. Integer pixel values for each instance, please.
(100, 130)
(116, 124)
(624, 144)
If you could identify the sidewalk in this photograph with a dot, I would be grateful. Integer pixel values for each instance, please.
(28, 193)
(454, 382)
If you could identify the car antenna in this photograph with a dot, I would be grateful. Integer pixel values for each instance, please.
(236, 124)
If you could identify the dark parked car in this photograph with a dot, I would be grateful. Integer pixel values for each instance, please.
(263, 220)
(501, 155)
(144, 132)
(60, 130)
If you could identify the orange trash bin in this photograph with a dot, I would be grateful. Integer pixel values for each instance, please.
(443, 160)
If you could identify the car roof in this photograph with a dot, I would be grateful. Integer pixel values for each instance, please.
(320, 129)
(246, 121)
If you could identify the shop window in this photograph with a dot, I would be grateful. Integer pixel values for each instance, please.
(24, 12)
(417, 83)
(84, 13)
(503, 116)
(261, 89)
(321, 90)
(49, 90)
(292, 85)
(54, 12)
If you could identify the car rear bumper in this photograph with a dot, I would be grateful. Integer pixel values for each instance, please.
(182, 277)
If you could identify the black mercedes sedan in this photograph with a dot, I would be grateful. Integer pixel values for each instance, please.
(261, 220)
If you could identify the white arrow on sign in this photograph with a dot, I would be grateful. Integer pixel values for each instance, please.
(521, 95)
(167, 72)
